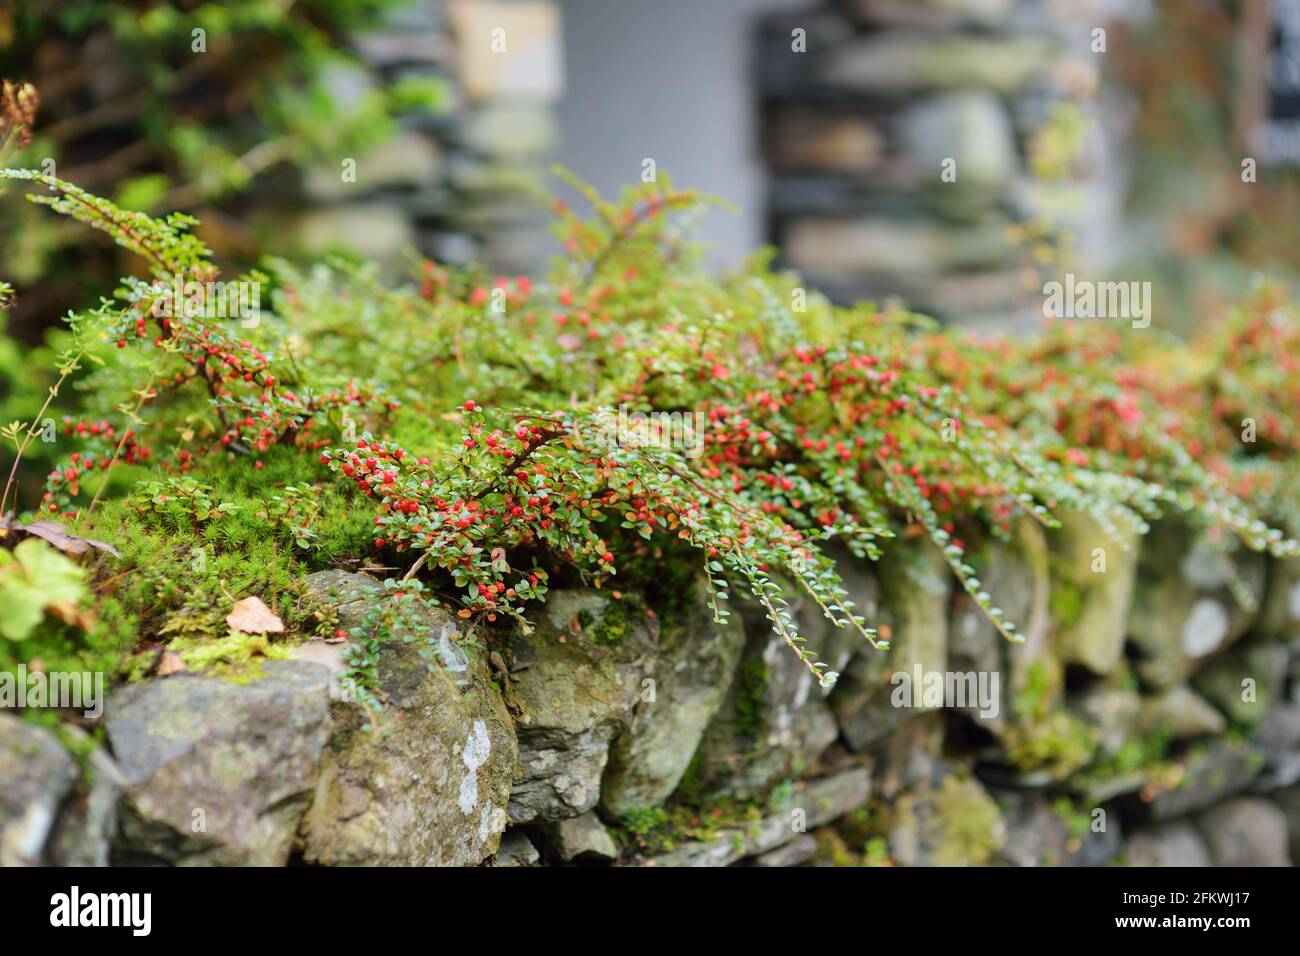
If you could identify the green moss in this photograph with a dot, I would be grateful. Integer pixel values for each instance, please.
(971, 829)
(1058, 743)
(1035, 699)
(643, 820)
(658, 830)
(1146, 756)
(613, 624)
(1077, 822)
(751, 686)
(188, 550)
(1065, 603)
(236, 657)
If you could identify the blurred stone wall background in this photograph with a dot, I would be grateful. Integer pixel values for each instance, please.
(939, 150)
(463, 186)
(827, 124)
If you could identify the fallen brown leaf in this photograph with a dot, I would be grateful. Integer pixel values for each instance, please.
(61, 538)
(72, 615)
(252, 616)
(170, 663)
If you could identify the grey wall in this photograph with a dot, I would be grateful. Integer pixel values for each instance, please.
(670, 80)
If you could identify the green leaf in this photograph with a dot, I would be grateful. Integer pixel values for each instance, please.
(33, 577)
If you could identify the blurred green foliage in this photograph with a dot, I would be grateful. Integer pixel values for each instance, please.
(181, 105)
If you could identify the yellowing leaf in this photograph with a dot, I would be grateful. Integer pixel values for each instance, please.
(252, 616)
(34, 577)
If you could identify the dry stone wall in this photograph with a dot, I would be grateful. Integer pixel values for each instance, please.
(900, 139)
(619, 732)
(460, 185)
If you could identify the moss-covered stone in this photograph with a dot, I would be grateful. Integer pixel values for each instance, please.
(809, 804)
(1016, 575)
(1181, 712)
(772, 725)
(915, 591)
(429, 787)
(1185, 611)
(1204, 777)
(1090, 606)
(1279, 617)
(694, 663)
(1246, 682)
(218, 772)
(953, 824)
(38, 775)
(573, 691)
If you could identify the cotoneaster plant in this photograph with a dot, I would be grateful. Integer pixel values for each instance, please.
(484, 421)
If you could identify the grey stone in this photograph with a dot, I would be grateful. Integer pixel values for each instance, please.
(391, 47)
(574, 683)
(1181, 712)
(955, 823)
(38, 776)
(1169, 844)
(370, 229)
(406, 161)
(217, 772)
(812, 804)
(773, 724)
(1184, 612)
(510, 130)
(910, 757)
(931, 14)
(1279, 736)
(916, 587)
(427, 786)
(897, 63)
(474, 177)
(891, 246)
(1279, 617)
(84, 833)
(1209, 775)
(1288, 801)
(797, 851)
(583, 836)
(1247, 831)
(347, 84)
(695, 662)
(1037, 835)
(1090, 609)
(1245, 682)
(970, 127)
(1111, 712)
(516, 850)
(1015, 574)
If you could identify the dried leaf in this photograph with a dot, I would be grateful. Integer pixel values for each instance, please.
(170, 663)
(59, 536)
(70, 614)
(252, 616)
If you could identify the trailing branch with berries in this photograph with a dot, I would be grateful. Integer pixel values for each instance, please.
(477, 429)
